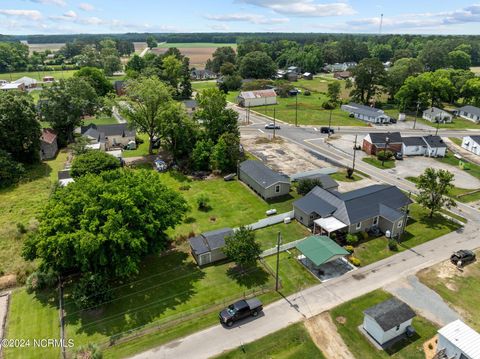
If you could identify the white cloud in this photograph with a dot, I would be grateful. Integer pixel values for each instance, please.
(68, 16)
(220, 27)
(251, 18)
(86, 6)
(30, 14)
(304, 8)
(50, 2)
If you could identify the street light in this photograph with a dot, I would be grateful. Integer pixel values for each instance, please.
(387, 141)
(296, 108)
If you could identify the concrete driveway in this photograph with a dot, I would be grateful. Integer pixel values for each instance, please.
(423, 300)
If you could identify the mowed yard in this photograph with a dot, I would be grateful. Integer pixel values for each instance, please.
(348, 316)
(459, 288)
(38, 75)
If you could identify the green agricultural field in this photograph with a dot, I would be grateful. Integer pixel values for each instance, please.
(267, 237)
(33, 317)
(420, 229)
(348, 316)
(21, 204)
(291, 342)
(461, 289)
(38, 75)
(193, 45)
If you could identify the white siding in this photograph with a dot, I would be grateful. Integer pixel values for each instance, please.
(372, 328)
(413, 150)
(470, 145)
(469, 116)
(262, 101)
(450, 349)
(436, 152)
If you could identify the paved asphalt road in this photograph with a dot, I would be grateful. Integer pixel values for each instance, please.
(325, 296)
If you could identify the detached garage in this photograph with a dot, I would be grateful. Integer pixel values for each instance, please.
(257, 98)
(207, 247)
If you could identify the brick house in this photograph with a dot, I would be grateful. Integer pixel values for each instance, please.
(377, 141)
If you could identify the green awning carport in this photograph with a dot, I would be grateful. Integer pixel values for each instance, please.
(321, 249)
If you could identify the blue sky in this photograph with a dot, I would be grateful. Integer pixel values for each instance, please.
(117, 16)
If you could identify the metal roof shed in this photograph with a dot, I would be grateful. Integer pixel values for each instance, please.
(321, 249)
(459, 340)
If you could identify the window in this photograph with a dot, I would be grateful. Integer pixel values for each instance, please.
(359, 225)
(398, 327)
(375, 221)
(277, 188)
(399, 224)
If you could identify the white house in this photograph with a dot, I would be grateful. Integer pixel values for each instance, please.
(470, 113)
(28, 82)
(388, 320)
(472, 144)
(458, 341)
(437, 115)
(435, 146)
(257, 98)
(430, 146)
(366, 113)
(12, 86)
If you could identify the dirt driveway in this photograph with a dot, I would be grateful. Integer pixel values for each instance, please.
(281, 155)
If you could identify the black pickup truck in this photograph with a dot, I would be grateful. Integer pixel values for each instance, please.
(240, 310)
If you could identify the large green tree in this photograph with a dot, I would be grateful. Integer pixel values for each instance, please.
(103, 225)
(257, 65)
(93, 162)
(65, 103)
(96, 78)
(459, 60)
(226, 153)
(242, 247)
(369, 77)
(145, 103)
(10, 171)
(19, 128)
(400, 71)
(221, 56)
(471, 91)
(434, 187)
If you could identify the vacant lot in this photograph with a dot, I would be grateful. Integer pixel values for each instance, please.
(291, 342)
(43, 47)
(459, 288)
(38, 75)
(348, 316)
(420, 229)
(19, 205)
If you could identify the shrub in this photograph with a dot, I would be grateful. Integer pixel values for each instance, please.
(10, 171)
(352, 239)
(93, 162)
(90, 291)
(139, 140)
(349, 248)
(392, 245)
(21, 228)
(355, 261)
(364, 236)
(90, 351)
(203, 202)
(307, 93)
(39, 280)
(384, 155)
(306, 185)
(349, 172)
(184, 187)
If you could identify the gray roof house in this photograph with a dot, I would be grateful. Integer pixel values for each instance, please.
(263, 180)
(379, 206)
(431, 146)
(326, 181)
(109, 136)
(388, 320)
(470, 113)
(366, 113)
(207, 247)
(437, 115)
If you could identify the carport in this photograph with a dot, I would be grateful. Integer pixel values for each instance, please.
(324, 257)
(327, 225)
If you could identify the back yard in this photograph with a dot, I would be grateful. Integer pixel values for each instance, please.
(348, 316)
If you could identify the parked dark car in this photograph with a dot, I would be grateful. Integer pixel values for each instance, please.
(327, 130)
(272, 126)
(398, 156)
(239, 310)
(462, 257)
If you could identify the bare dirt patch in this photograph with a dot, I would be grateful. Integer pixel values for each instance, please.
(430, 347)
(8, 281)
(282, 156)
(198, 55)
(341, 320)
(325, 336)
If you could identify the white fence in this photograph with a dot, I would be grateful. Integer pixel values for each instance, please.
(270, 221)
(283, 248)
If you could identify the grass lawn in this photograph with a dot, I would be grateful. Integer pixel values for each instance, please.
(341, 176)
(455, 140)
(38, 75)
(374, 161)
(182, 45)
(461, 289)
(351, 314)
(320, 84)
(291, 342)
(420, 229)
(453, 161)
(202, 85)
(267, 237)
(233, 204)
(142, 149)
(457, 124)
(40, 322)
(21, 204)
(464, 195)
(101, 120)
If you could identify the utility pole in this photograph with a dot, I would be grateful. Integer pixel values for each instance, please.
(296, 109)
(416, 115)
(387, 141)
(438, 125)
(279, 240)
(354, 154)
(405, 218)
(274, 123)
(329, 123)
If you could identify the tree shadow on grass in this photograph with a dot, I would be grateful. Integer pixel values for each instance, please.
(164, 283)
(437, 222)
(249, 277)
(402, 343)
(179, 176)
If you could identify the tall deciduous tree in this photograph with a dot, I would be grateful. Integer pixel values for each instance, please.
(105, 224)
(19, 128)
(222, 55)
(334, 89)
(93, 162)
(96, 78)
(434, 186)
(152, 42)
(369, 76)
(459, 60)
(257, 65)
(65, 104)
(145, 102)
(226, 153)
(242, 247)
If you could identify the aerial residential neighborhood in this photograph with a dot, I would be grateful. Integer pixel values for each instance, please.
(239, 179)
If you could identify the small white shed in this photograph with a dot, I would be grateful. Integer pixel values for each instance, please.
(257, 98)
(472, 144)
(457, 340)
(388, 320)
